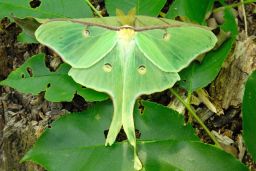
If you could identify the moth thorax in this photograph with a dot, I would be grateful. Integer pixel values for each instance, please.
(126, 34)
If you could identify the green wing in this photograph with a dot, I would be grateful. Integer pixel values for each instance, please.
(125, 63)
(172, 49)
(79, 45)
(124, 81)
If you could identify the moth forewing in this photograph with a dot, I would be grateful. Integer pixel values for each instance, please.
(172, 49)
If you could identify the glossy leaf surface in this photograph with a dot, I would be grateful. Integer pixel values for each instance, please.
(199, 75)
(193, 11)
(143, 7)
(46, 9)
(162, 123)
(71, 137)
(34, 77)
(29, 26)
(249, 115)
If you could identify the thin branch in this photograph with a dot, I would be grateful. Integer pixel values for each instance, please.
(93, 8)
(233, 5)
(192, 112)
(245, 19)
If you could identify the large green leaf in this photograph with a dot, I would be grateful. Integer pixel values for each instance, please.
(76, 142)
(143, 7)
(249, 115)
(200, 75)
(161, 123)
(47, 9)
(186, 156)
(34, 77)
(195, 11)
(29, 26)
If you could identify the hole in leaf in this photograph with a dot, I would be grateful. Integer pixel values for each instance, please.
(48, 85)
(22, 75)
(166, 36)
(29, 70)
(163, 98)
(122, 136)
(35, 3)
(142, 70)
(107, 67)
(86, 33)
(78, 104)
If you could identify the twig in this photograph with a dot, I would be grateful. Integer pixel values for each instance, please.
(245, 19)
(93, 8)
(4, 111)
(192, 112)
(233, 5)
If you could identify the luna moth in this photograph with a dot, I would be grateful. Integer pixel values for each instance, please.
(125, 58)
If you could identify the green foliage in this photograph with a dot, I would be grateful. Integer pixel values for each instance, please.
(47, 9)
(194, 11)
(34, 77)
(29, 26)
(143, 7)
(159, 149)
(161, 123)
(26, 38)
(249, 115)
(199, 75)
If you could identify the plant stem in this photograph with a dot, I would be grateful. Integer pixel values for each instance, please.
(245, 19)
(190, 119)
(233, 5)
(192, 112)
(93, 8)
